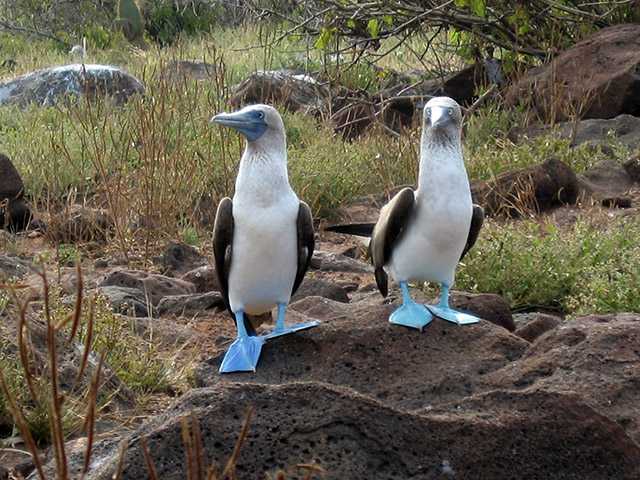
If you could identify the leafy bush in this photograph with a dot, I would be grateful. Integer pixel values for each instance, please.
(167, 19)
(580, 270)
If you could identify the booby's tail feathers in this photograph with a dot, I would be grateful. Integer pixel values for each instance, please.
(360, 229)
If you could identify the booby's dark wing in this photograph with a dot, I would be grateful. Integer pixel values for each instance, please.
(366, 229)
(390, 226)
(306, 243)
(477, 219)
(222, 250)
(360, 229)
(222, 242)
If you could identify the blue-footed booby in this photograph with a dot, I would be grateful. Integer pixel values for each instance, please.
(422, 234)
(263, 239)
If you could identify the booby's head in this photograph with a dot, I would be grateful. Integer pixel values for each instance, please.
(254, 122)
(442, 120)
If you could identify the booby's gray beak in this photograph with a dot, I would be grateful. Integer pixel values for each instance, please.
(439, 116)
(249, 123)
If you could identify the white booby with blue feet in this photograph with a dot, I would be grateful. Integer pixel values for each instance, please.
(263, 239)
(422, 234)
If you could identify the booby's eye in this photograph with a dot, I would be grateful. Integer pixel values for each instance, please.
(261, 115)
(450, 111)
(428, 112)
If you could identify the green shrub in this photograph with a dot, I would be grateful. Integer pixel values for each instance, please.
(166, 20)
(580, 270)
(130, 19)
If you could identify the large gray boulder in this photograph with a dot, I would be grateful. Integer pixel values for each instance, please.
(49, 86)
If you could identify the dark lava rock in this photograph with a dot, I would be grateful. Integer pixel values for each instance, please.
(632, 166)
(606, 180)
(204, 278)
(526, 436)
(297, 92)
(24, 468)
(334, 262)
(125, 300)
(193, 69)
(594, 357)
(80, 224)
(47, 87)
(152, 285)
(316, 287)
(15, 213)
(535, 325)
(599, 74)
(528, 190)
(179, 258)
(13, 267)
(356, 346)
(595, 132)
(191, 304)
(487, 306)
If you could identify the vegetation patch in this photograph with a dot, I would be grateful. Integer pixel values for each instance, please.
(578, 270)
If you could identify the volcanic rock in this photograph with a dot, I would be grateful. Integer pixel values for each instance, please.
(525, 436)
(595, 132)
(535, 325)
(152, 285)
(204, 278)
(13, 267)
(356, 346)
(334, 262)
(297, 92)
(80, 224)
(125, 300)
(193, 69)
(190, 304)
(15, 213)
(528, 190)
(595, 357)
(179, 258)
(316, 287)
(47, 87)
(607, 179)
(596, 78)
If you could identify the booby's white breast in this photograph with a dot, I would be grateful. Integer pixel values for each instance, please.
(264, 249)
(430, 247)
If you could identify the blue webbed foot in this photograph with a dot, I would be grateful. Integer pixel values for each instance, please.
(243, 355)
(443, 311)
(451, 315)
(410, 314)
(282, 329)
(244, 352)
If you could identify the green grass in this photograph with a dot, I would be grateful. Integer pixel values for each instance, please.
(580, 270)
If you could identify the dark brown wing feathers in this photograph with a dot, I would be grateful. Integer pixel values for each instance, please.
(477, 219)
(306, 243)
(389, 228)
(222, 242)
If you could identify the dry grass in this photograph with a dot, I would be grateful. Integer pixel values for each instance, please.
(66, 333)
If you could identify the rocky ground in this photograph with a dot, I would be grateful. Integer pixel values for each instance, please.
(517, 396)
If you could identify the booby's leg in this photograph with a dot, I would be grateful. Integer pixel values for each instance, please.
(281, 329)
(443, 311)
(410, 314)
(244, 352)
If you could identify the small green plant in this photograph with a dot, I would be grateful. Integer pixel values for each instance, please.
(579, 270)
(67, 254)
(190, 236)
